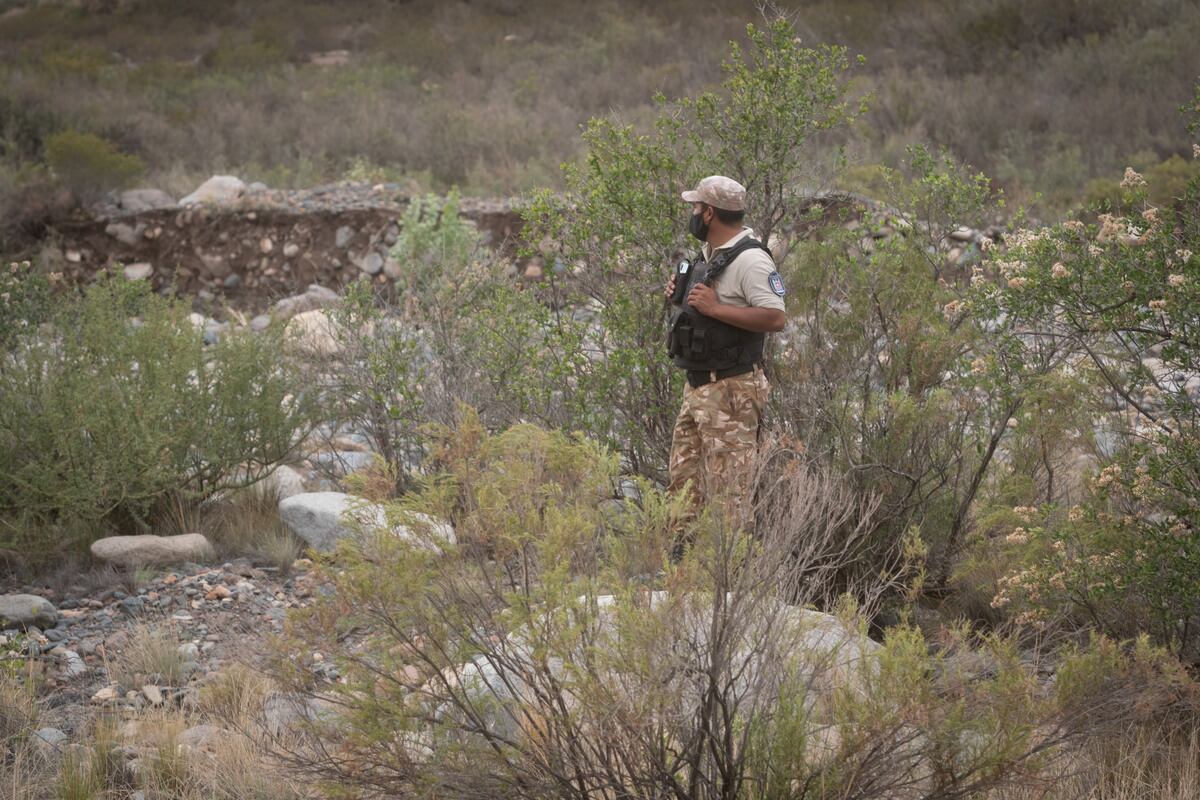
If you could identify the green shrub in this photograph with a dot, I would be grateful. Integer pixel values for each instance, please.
(406, 356)
(623, 224)
(88, 164)
(114, 406)
(1122, 296)
(1166, 180)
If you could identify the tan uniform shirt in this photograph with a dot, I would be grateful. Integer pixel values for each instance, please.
(747, 282)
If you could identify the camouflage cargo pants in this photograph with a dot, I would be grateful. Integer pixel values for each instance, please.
(716, 438)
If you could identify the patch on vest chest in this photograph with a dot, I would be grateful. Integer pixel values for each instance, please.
(776, 283)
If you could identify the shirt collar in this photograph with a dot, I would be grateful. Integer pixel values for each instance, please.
(704, 248)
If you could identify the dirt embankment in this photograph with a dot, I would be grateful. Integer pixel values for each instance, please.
(248, 251)
(245, 247)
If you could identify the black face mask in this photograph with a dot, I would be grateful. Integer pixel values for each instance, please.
(698, 227)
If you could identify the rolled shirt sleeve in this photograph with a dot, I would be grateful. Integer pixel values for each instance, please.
(755, 283)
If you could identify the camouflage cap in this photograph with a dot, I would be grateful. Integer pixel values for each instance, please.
(718, 192)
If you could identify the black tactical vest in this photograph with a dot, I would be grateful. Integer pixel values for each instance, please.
(697, 342)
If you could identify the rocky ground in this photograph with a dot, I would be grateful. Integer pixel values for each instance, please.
(86, 641)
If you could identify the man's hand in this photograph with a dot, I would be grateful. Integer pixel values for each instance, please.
(703, 299)
(670, 287)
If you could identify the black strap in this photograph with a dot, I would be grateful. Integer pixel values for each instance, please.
(723, 258)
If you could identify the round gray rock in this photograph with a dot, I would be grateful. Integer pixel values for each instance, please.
(323, 518)
(24, 610)
(147, 549)
(49, 740)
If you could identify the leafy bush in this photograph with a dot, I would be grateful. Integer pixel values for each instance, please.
(405, 355)
(615, 236)
(88, 164)
(113, 406)
(1122, 297)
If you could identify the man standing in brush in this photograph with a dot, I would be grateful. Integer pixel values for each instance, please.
(726, 301)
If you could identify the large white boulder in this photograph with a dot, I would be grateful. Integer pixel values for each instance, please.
(147, 549)
(826, 653)
(322, 519)
(217, 190)
(313, 333)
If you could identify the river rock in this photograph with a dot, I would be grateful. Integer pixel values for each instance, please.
(73, 664)
(24, 610)
(284, 711)
(284, 482)
(831, 656)
(148, 549)
(139, 271)
(371, 263)
(313, 333)
(49, 740)
(200, 737)
(217, 190)
(314, 297)
(322, 519)
(125, 234)
(136, 201)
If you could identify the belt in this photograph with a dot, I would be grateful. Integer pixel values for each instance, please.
(698, 377)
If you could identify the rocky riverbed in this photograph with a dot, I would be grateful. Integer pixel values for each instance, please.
(86, 642)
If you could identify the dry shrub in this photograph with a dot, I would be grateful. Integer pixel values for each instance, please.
(150, 655)
(561, 652)
(244, 522)
(236, 698)
(26, 773)
(98, 769)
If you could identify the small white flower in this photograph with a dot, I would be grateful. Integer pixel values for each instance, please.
(1018, 536)
(1175, 279)
(1158, 305)
(1060, 270)
(1132, 179)
(1017, 283)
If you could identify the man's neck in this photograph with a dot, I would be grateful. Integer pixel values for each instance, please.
(719, 238)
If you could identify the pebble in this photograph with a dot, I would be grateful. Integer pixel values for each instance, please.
(105, 695)
(133, 605)
(74, 664)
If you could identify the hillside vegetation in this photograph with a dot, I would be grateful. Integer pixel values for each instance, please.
(969, 563)
(488, 96)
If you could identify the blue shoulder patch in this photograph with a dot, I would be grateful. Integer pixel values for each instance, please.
(776, 283)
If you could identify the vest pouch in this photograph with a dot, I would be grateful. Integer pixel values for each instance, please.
(697, 345)
(679, 338)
